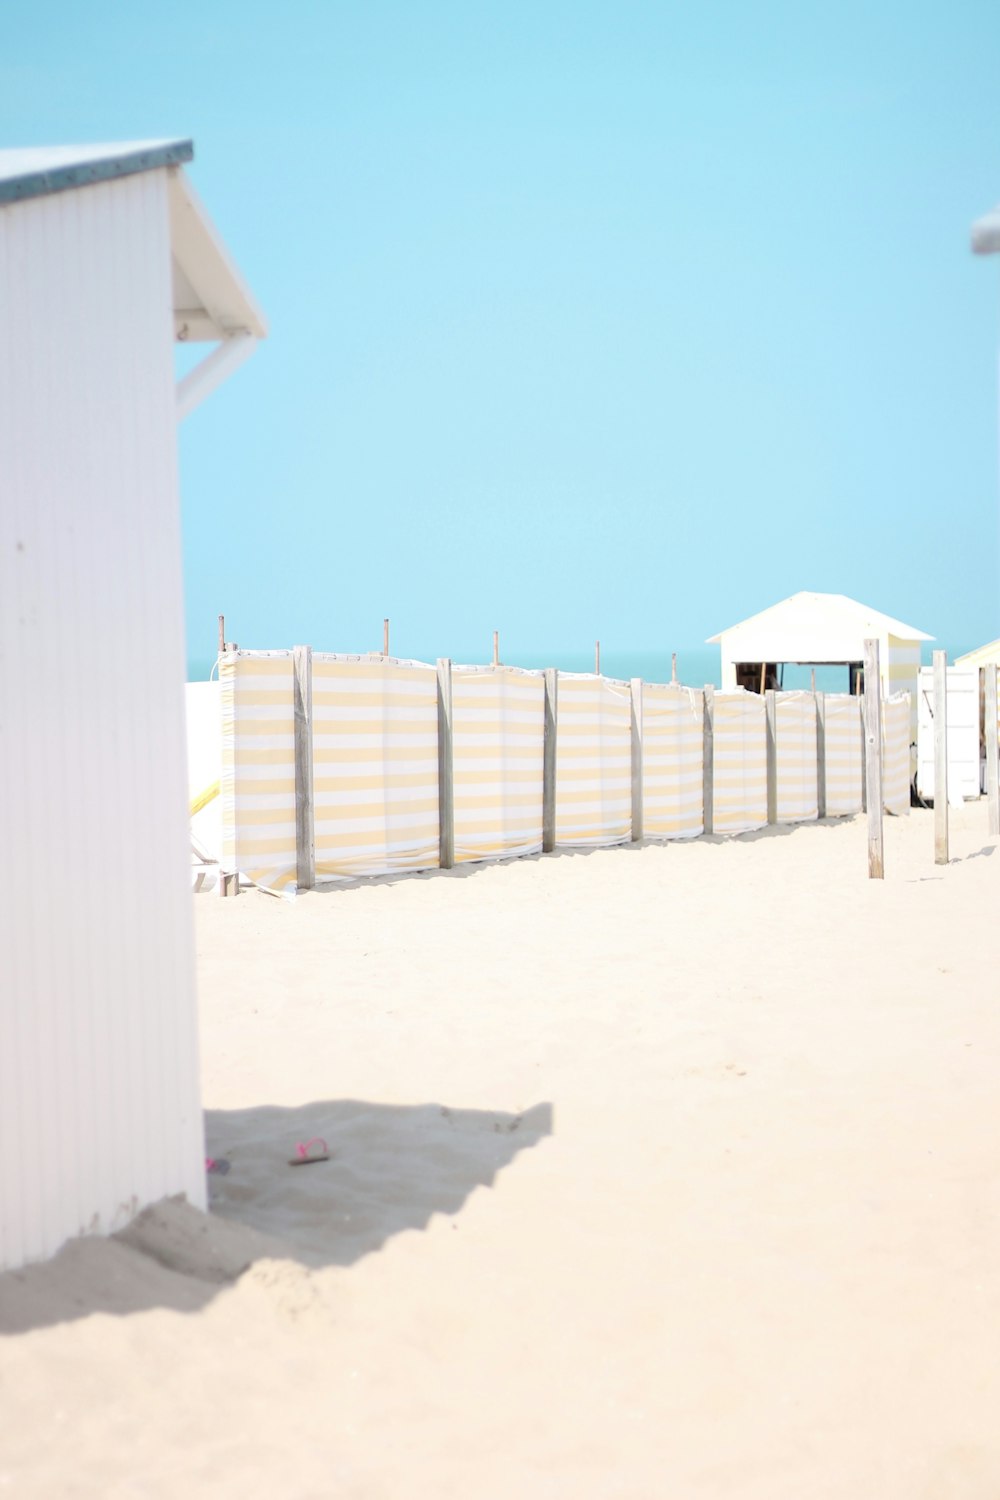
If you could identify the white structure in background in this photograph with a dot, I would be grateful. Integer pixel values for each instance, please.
(963, 734)
(983, 656)
(821, 630)
(106, 258)
(204, 759)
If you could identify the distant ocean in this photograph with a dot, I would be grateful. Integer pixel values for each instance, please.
(695, 667)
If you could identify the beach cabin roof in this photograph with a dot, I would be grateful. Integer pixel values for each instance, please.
(812, 628)
(211, 301)
(983, 656)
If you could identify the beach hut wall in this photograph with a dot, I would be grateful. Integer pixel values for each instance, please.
(963, 733)
(105, 257)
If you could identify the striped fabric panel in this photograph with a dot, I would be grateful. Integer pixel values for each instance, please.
(258, 767)
(672, 759)
(740, 765)
(593, 760)
(795, 742)
(375, 770)
(896, 754)
(498, 730)
(844, 755)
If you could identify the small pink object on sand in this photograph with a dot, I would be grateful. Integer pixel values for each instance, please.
(307, 1155)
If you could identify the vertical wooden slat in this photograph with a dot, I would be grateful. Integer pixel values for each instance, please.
(820, 700)
(708, 761)
(771, 716)
(636, 695)
(992, 751)
(446, 765)
(940, 660)
(305, 823)
(872, 704)
(549, 760)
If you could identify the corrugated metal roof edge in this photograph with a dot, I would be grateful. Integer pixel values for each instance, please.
(85, 173)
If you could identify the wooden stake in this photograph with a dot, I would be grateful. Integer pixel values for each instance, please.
(872, 705)
(496, 648)
(305, 829)
(763, 676)
(940, 660)
(222, 635)
(446, 767)
(549, 760)
(597, 658)
(812, 674)
(771, 716)
(708, 762)
(385, 637)
(636, 697)
(992, 748)
(673, 667)
(820, 700)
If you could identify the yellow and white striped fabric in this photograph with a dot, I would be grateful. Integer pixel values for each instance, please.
(740, 762)
(844, 755)
(672, 756)
(896, 720)
(795, 744)
(375, 769)
(498, 732)
(258, 767)
(593, 760)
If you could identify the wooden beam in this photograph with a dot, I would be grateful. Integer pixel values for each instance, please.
(305, 831)
(549, 760)
(708, 761)
(446, 767)
(222, 635)
(992, 749)
(597, 658)
(940, 660)
(636, 699)
(385, 637)
(820, 699)
(872, 704)
(771, 717)
(496, 648)
(673, 666)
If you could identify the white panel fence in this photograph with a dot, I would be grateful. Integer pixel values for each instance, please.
(336, 766)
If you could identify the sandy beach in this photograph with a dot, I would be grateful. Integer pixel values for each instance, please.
(654, 1172)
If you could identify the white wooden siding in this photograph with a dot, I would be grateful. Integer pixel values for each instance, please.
(99, 1098)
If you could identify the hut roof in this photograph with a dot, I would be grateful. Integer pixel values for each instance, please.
(815, 628)
(210, 298)
(981, 657)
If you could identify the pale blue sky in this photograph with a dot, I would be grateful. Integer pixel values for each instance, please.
(586, 319)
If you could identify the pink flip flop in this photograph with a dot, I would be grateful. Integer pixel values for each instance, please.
(307, 1155)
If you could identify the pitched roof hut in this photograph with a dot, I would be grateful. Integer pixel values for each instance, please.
(106, 259)
(820, 630)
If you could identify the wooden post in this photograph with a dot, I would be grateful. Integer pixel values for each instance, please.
(771, 716)
(597, 658)
(549, 760)
(305, 828)
(222, 635)
(872, 703)
(820, 699)
(708, 762)
(812, 675)
(385, 637)
(446, 767)
(940, 660)
(673, 667)
(992, 749)
(636, 697)
(763, 676)
(496, 648)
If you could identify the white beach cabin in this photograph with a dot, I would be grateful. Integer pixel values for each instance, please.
(821, 630)
(106, 259)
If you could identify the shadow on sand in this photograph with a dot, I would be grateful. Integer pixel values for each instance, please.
(390, 1168)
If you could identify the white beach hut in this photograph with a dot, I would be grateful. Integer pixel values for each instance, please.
(821, 630)
(106, 259)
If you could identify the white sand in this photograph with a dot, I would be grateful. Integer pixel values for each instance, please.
(665, 1172)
